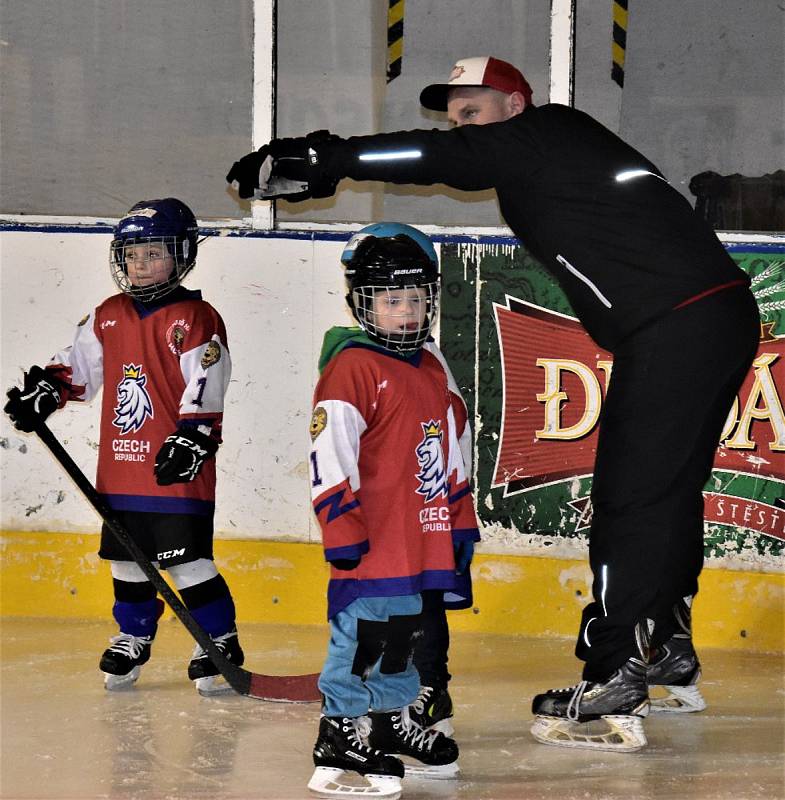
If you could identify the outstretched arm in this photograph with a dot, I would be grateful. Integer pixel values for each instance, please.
(471, 158)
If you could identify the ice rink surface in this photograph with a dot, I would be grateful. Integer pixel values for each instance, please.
(64, 736)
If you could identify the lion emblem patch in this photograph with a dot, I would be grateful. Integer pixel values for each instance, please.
(318, 422)
(133, 402)
(212, 355)
(430, 457)
(175, 339)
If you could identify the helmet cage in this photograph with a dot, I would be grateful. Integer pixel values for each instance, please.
(389, 257)
(166, 222)
(176, 246)
(406, 340)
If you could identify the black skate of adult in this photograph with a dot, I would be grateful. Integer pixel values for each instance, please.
(674, 670)
(396, 733)
(606, 715)
(279, 688)
(340, 749)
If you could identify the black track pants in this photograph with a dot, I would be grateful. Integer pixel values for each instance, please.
(672, 386)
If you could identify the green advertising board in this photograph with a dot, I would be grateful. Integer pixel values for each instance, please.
(534, 383)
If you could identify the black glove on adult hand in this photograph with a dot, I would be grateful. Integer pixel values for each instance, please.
(285, 168)
(346, 564)
(182, 455)
(31, 405)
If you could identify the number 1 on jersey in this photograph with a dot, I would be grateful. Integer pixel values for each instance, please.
(202, 382)
(317, 479)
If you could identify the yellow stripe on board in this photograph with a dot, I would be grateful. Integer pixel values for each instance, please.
(395, 13)
(59, 575)
(395, 51)
(619, 41)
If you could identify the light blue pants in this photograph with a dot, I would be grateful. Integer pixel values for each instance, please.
(350, 695)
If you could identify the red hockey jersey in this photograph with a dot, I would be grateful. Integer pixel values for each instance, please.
(387, 473)
(162, 366)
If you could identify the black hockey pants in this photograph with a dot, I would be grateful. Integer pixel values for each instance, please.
(672, 386)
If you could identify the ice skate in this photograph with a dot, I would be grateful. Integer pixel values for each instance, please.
(673, 676)
(205, 675)
(432, 710)
(122, 662)
(396, 733)
(347, 767)
(599, 716)
(674, 669)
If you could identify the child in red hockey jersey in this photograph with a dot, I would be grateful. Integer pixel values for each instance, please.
(391, 495)
(160, 352)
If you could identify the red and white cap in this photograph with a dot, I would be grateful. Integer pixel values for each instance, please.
(479, 71)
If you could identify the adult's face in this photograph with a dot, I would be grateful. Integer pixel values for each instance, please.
(478, 105)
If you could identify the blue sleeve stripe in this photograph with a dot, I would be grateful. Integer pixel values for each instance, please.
(333, 502)
(454, 498)
(347, 551)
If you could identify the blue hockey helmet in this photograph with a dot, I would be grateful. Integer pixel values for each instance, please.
(166, 223)
(381, 260)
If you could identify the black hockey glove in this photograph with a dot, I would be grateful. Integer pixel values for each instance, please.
(32, 404)
(285, 168)
(182, 455)
(464, 553)
(346, 564)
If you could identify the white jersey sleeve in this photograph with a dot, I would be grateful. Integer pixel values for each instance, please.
(207, 370)
(336, 429)
(81, 365)
(464, 435)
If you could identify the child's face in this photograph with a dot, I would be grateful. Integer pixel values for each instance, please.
(148, 264)
(399, 310)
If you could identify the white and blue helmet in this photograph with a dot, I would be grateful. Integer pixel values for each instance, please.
(167, 222)
(384, 257)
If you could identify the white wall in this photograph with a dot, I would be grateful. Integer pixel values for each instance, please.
(277, 297)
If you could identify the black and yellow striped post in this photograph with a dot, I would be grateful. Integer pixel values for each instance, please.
(619, 46)
(394, 38)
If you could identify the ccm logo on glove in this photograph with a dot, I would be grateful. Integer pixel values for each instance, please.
(182, 455)
(31, 405)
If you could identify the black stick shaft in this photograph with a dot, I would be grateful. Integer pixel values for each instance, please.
(237, 678)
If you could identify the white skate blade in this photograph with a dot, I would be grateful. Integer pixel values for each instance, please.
(621, 734)
(330, 781)
(444, 772)
(119, 683)
(679, 700)
(211, 686)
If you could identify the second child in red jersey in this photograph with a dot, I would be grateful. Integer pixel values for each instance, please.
(392, 498)
(160, 353)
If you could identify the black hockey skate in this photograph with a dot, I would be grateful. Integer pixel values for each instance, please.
(600, 716)
(340, 749)
(396, 733)
(204, 673)
(674, 669)
(121, 663)
(432, 710)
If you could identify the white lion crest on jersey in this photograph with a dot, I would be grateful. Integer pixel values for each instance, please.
(133, 402)
(430, 456)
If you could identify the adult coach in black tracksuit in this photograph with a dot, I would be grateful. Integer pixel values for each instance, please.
(650, 282)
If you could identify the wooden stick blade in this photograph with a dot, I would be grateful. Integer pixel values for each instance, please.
(285, 688)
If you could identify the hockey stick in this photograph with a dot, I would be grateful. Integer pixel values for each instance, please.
(281, 688)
